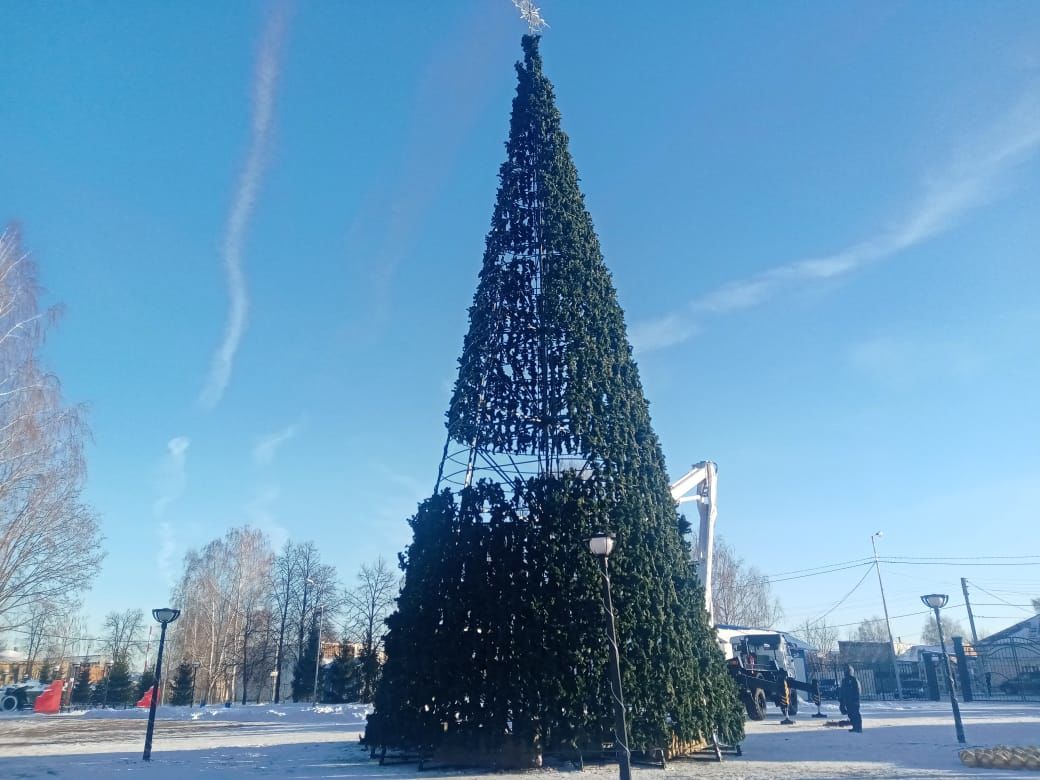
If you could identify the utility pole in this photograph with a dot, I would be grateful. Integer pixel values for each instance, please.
(971, 616)
(147, 650)
(888, 624)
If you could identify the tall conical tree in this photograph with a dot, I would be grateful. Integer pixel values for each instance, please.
(183, 685)
(498, 638)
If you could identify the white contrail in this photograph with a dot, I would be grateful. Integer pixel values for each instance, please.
(972, 179)
(171, 480)
(265, 83)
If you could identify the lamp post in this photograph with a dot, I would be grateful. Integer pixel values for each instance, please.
(601, 545)
(937, 601)
(888, 623)
(194, 673)
(72, 682)
(317, 656)
(164, 617)
(108, 675)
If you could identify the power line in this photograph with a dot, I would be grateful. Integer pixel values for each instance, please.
(906, 560)
(1028, 593)
(959, 557)
(955, 562)
(998, 598)
(817, 574)
(1019, 618)
(882, 620)
(855, 562)
(842, 599)
(90, 639)
(1000, 604)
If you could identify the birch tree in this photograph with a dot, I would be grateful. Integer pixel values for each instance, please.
(367, 606)
(223, 594)
(50, 545)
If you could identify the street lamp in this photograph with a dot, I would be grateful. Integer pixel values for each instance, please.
(194, 673)
(937, 601)
(164, 617)
(108, 676)
(602, 545)
(317, 655)
(888, 624)
(72, 682)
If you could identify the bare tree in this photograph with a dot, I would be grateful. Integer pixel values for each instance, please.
(367, 606)
(36, 626)
(224, 593)
(930, 633)
(1036, 605)
(254, 558)
(870, 629)
(286, 592)
(50, 545)
(741, 594)
(67, 634)
(122, 633)
(818, 634)
(41, 626)
(317, 592)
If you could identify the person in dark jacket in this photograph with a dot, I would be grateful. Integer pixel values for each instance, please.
(848, 699)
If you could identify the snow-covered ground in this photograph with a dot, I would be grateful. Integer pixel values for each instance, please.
(912, 740)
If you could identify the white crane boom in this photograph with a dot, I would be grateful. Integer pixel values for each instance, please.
(700, 484)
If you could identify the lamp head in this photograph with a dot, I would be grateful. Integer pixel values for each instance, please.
(935, 600)
(166, 615)
(602, 544)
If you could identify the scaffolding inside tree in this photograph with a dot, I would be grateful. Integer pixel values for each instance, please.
(497, 646)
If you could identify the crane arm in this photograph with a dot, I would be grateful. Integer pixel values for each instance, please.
(702, 482)
(692, 480)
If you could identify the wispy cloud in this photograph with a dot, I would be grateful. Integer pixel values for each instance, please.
(265, 82)
(170, 483)
(903, 361)
(171, 478)
(261, 513)
(386, 231)
(266, 447)
(976, 174)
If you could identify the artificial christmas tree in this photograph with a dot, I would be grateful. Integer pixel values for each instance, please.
(497, 648)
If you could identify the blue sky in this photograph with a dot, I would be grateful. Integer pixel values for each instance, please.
(821, 219)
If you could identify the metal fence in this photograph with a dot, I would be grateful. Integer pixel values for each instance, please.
(1005, 670)
(875, 679)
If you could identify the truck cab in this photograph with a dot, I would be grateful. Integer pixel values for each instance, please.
(766, 666)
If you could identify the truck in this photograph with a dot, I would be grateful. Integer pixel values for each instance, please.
(765, 665)
(20, 696)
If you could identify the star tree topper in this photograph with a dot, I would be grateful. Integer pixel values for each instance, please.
(531, 14)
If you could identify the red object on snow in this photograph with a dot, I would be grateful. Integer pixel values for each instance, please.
(146, 700)
(49, 702)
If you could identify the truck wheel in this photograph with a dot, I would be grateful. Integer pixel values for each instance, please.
(8, 703)
(755, 703)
